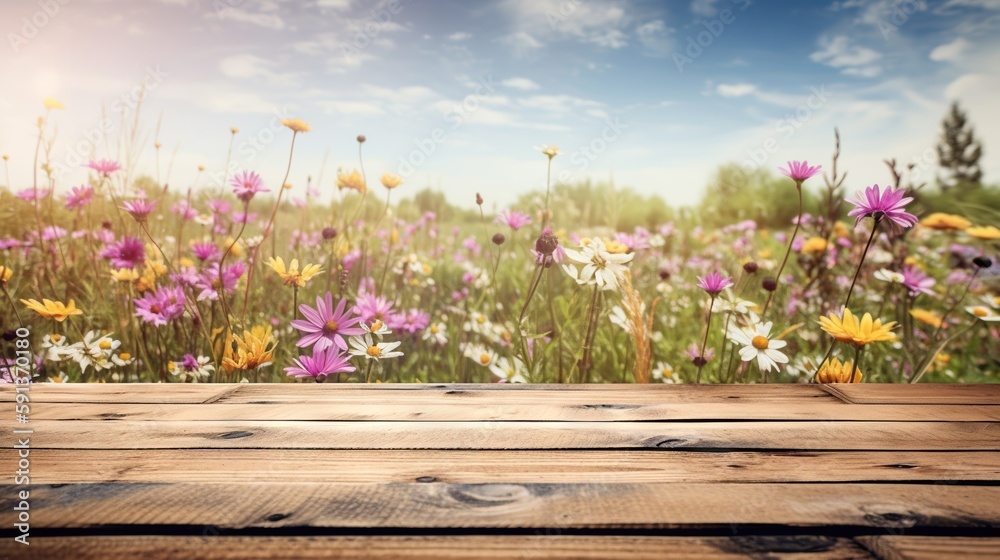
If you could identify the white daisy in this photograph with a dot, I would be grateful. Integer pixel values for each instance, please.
(366, 347)
(599, 266)
(436, 334)
(983, 313)
(756, 344)
(55, 346)
(887, 275)
(377, 328)
(509, 370)
(481, 355)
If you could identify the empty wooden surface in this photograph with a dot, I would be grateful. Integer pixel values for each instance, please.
(488, 471)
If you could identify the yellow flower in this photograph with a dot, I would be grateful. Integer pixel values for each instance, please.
(859, 333)
(147, 281)
(255, 349)
(941, 361)
(833, 371)
(352, 180)
(764, 253)
(234, 130)
(5, 273)
(615, 247)
(297, 125)
(945, 222)
(52, 103)
(926, 317)
(814, 246)
(124, 275)
(551, 151)
(235, 249)
(185, 262)
(53, 309)
(291, 276)
(986, 233)
(840, 229)
(391, 181)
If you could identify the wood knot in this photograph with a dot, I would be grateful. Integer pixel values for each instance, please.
(426, 479)
(236, 435)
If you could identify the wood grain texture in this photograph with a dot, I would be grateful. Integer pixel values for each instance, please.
(502, 547)
(250, 505)
(931, 548)
(927, 393)
(52, 466)
(876, 436)
(579, 406)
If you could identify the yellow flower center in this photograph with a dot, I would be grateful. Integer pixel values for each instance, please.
(980, 312)
(377, 325)
(124, 356)
(105, 345)
(374, 351)
(484, 359)
(434, 329)
(330, 326)
(480, 319)
(56, 337)
(760, 342)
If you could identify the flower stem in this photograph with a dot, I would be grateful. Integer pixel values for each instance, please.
(791, 241)
(861, 262)
(590, 333)
(704, 342)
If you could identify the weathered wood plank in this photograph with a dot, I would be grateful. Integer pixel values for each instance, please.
(504, 547)
(581, 406)
(891, 547)
(52, 466)
(915, 436)
(311, 392)
(923, 394)
(914, 507)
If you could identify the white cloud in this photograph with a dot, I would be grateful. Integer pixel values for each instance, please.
(522, 43)
(735, 90)
(654, 38)
(704, 8)
(600, 22)
(363, 108)
(523, 84)
(837, 52)
(267, 20)
(950, 51)
(460, 36)
(338, 5)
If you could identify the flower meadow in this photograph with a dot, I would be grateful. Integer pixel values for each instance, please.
(127, 279)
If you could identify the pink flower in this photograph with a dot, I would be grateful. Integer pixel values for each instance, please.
(162, 306)
(412, 321)
(104, 167)
(127, 253)
(210, 280)
(714, 283)
(246, 184)
(513, 219)
(321, 364)
(219, 206)
(31, 195)
(79, 197)
(206, 251)
(325, 326)
(372, 307)
(140, 208)
(800, 170)
(889, 204)
(917, 281)
(183, 209)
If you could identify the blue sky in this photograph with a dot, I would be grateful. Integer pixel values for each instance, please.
(454, 95)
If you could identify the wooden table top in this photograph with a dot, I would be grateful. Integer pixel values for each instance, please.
(505, 471)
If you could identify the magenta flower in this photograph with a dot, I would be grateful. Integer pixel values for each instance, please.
(799, 171)
(183, 209)
(219, 206)
(917, 281)
(888, 204)
(209, 281)
(140, 208)
(246, 184)
(31, 195)
(694, 353)
(206, 251)
(513, 219)
(104, 167)
(412, 321)
(325, 326)
(127, 253)
(79, 197)
(321, 364)
(162, 306)
(372, 307)
(714, 283)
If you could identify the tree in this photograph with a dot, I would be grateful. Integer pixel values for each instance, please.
(959, 150)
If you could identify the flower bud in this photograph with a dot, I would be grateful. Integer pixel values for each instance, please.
(770, 284)
(329, 232)
(479, 199)
(361, 138)
(546, 244)
(498, 239)
(982, 262)
(664, 274)
(750, 267)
